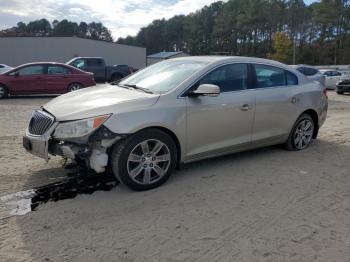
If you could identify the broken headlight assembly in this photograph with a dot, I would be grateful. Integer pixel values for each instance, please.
(79, 128)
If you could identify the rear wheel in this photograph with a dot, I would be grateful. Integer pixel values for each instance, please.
(3, 92)
(144, 160)
(74, 87)
(301, 134)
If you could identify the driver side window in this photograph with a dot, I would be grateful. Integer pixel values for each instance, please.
(229, 78)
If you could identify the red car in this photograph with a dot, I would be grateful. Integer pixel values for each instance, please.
(43, 78)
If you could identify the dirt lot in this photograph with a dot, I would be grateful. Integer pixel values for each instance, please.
(264, 205)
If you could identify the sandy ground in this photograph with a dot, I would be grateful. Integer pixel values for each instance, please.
(263, 205)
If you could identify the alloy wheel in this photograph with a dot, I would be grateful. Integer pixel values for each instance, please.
(74, 87)
(2, 92)
(148, 162)
(303, 134)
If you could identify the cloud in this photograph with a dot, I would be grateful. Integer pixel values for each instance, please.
(123, 17)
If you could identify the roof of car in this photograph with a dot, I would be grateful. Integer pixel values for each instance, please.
(42, 63)
(243, 59)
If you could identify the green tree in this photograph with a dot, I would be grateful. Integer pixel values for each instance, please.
(283, 48)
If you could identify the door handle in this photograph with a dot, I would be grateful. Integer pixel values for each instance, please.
(245, 107)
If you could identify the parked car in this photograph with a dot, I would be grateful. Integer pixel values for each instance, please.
(102, 72)
(4, 68)
(178, 111)
(343, 86)
(310, 72)
(332, 77)
(43, 78)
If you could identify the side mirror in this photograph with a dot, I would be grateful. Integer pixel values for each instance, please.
(205, 90)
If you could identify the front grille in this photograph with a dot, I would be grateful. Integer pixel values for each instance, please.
(40, 123)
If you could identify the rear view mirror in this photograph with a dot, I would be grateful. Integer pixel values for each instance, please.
(206, 90)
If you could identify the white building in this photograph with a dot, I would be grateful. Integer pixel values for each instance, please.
(15, 51)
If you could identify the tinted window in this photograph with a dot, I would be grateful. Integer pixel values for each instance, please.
(228, 78)
(291, 78)
(269, 76)
(327, 73)
(58, 70)
(336, 73)
(31, 70)
(94, 62)
(1, 66)
(308, 71)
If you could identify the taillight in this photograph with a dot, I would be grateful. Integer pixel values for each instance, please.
(325, 92)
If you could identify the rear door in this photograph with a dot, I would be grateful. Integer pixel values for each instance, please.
(27, 80)
(58, 79)
(221, 124)
(276, 104)
(96, 66)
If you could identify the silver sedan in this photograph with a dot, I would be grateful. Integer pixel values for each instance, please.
(178, 111)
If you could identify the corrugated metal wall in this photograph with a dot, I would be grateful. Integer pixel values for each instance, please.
(15, 51)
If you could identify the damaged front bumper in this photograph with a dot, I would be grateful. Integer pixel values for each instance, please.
(92, 150)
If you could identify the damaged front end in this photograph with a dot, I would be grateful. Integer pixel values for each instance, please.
(85, 141)
(90, 150)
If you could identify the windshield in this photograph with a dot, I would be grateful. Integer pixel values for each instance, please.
(164, 76)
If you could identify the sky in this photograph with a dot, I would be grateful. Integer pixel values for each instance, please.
(122, 17)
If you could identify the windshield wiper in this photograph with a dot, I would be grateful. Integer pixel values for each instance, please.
(146, 90)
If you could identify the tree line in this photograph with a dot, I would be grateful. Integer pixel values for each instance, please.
(286, 30)
(43, 27)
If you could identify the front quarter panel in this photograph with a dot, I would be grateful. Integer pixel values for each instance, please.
(168, 113)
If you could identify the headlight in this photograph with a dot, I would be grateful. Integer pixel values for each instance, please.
(79, 128)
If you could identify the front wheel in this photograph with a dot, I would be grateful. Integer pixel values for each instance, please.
(145, 160)
(301, 134)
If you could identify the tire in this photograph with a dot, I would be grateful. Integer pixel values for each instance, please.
(142, 167)
(74, 86)
(3, 92)
(340, 92)
(116, 77)
(301, 134)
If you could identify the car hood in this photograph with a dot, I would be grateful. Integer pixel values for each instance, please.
(98, 100)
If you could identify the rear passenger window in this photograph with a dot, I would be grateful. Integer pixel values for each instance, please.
(291, 79)
(228, 77)
(308, 71)
(269, 76)
(94, 62)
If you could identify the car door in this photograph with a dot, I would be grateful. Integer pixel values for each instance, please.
(58, 79)
(96, 66)
(217, 125)
(276, 104)
(27, 80)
